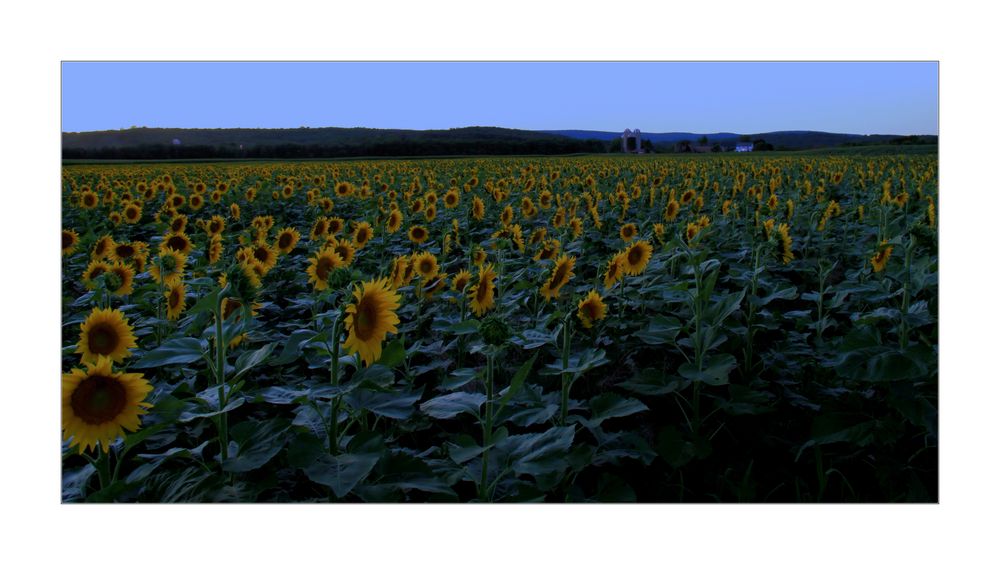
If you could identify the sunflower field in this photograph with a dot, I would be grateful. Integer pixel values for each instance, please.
(566, 329)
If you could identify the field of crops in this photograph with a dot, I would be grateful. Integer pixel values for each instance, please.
(655, 328)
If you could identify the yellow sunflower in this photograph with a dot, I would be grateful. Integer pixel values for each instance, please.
(102, 247)
(370, 318)
(670, 213)
(394, 222)
(362, 234)
(561, 273)
(175, 294)
(287, 239)
(168, 267)
(98, 404)
(333, 226)
(178, 241)
(478, 208)
(418, 234)
(615, 270)
(636, 257)
(324, 262)
(591, 309)
(216, 225)
(343, 248)
(425, 265)
(785, 244)
(319, 229)
(881, 258)
(105, 332)
(461, 281)
(628, 232)
(132, 214)
(402, 272)
(88, 200)
(265, 254)
(69, 240)
(121, 278)
(94, 269)
(481, 295)
(215, 249)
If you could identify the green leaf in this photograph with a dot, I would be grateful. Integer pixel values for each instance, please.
(451, 405)
(660, 330)
(179, 351)
(208, 410)
(250, 359)
(651, 382)
(393, 354)
(258, 443)
(517, 382)
(394, 405)
(541, 453)
(467, 327)
(341, 472)
(377, 375)
(715, 370)
(533, 339)
(579, 362)
(293, 347)
(610, 405)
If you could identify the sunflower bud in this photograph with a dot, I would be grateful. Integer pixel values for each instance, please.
(494, 331)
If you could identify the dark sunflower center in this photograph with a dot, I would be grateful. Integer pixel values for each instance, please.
(175, 298)
(125, 251)
(323, 268)
(98, 399)
(426, 267)
(176, 243)
(102, 339)
(460, 284)
(590, 310)
(362, 236)
(560, 275)
(635, 256)
(261, 254)
(366, 318)
(481, 291)
(130, 213)
(67, 240)
(285, 240)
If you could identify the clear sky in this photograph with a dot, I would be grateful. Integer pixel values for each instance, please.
(890, 98)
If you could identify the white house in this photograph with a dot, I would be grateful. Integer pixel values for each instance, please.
(744, 146)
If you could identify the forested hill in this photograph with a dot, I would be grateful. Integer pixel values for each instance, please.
(177, 143)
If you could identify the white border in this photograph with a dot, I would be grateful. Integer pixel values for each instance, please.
(37, 37)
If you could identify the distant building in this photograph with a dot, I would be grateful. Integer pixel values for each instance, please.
(701, 148)
(631, 141)
(744, 146)
(176, 141)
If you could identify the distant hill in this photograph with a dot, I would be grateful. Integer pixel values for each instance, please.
(173, 143)
(779, 139)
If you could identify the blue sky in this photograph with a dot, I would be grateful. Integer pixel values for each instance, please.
(892, 98)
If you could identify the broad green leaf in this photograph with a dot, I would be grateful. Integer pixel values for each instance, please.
(715, 370)
(610, 405)
(179, 351)
(451, 405)
(341, 472)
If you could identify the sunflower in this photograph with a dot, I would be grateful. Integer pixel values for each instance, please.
(319, 229)
(94, 270)
(591, 309)
(418, 234)
(394, 222)
(98, 404)
(178, 223)
(478, 208)
(576, 226)
(636, 257)
(102, 247)
(333, 226)
(175, 295)
(881, 258)
(479, 256)
(370, 318)
(105, 332)
(197, 201)
(287, 239)
(507, 215)
(344, 189)
(214, 249)
(265, 254)
(435, 285)
(481, 295)
(628, 232)
(402, 272)
(168, 268)
(132, 214)
(615, 270)
(430, 212)
(785, 244)
(343, 248)
(324, 262)
(425, 264)
(461, 281)
(88, 200)
(451, 199)
(931, 212)
(69, 240)
(362, 234)
(179, 242)
(548, 250)
(561, 273)
(216, 225)
(123, 251)
(234, 211)
(120, 281)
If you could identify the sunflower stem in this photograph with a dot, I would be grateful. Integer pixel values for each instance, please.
(564, 393)
(220, 369)
(103, 467)
(487, 431)
(334, 428)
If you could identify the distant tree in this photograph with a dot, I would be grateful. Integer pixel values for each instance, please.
(761, 145)
(744, 138)
(703, 140)
(683, 146)
(647, 146)
(716, 148)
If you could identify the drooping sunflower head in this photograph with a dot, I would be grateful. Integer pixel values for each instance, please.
(478, 208)
(214, 249)
(418, 234)
(479, 256)
(321, 265)
(319, 229)
(69, 240)
(93, 272)
(103, 247)
(105, 332)
(369, 318)
(287, 239)
(673, 208)
(175, 295)
(215, 225)
(591, 309)
(119, 278)
(637, 257)
(98, 404)
(402, 272)
(881, 257)
(461, 281)
(785, 244)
